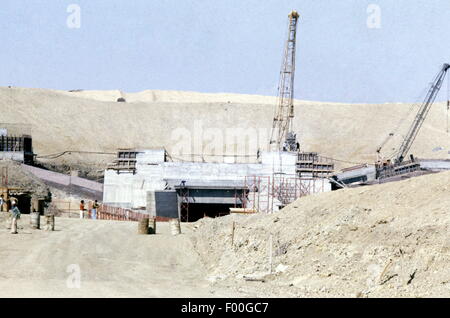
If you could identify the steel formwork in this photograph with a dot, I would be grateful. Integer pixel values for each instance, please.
(184, 203)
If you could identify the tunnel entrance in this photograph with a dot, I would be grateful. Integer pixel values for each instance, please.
(208, 199)
(196, 211)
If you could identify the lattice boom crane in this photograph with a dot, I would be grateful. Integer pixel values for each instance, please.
(282, 136)
(422, 114)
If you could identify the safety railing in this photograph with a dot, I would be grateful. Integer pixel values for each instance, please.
(105, 212)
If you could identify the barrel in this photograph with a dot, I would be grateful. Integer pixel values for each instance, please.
(143, 226)
(50, 222)
(175, 227)
(152, 225)
(35, 220)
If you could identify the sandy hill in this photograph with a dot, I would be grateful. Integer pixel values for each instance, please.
(379, 241)
(95, 121)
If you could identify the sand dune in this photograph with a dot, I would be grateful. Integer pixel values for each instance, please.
(94, 121)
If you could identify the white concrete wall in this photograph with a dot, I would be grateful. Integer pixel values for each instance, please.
(128, 190)
(435, 165)
(150, 156)
(12, 155)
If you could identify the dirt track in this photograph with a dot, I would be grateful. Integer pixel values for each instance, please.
(114, 262)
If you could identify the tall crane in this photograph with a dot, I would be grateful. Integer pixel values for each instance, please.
(282, 135)
(387, 168)
(422, 114)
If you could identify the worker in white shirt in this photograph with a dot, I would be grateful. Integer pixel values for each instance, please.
(15, 215)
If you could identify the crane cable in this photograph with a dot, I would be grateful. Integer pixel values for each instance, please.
(179, 158)
(69, 152)
(414, 105)
(394, 132)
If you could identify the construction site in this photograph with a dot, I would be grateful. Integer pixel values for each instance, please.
(288, 198)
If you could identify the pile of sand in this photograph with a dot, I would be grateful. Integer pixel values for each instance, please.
(17, 177)
(94, 121)
(388, 240)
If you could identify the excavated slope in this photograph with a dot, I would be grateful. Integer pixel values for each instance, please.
(387, 240)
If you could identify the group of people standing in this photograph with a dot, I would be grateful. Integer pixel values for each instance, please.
(15, 212)
(93, 211)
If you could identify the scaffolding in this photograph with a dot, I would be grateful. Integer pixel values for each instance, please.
(184, 202)
(125, 162)
(268, 194)
(310, 164)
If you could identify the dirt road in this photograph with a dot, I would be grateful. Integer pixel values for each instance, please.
(113, 261)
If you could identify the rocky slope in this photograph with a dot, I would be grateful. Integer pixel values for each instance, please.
(388, 240)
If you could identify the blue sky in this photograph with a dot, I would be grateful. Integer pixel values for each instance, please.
(227, 46)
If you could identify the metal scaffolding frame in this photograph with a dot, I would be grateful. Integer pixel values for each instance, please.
(184, 204)
(266, 193)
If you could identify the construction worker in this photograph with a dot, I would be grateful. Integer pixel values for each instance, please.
(15, 215)
(1, 203)
(95, 206)
(82, 209)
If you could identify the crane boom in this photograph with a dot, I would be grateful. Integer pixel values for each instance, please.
(422, 114)
(282, 129)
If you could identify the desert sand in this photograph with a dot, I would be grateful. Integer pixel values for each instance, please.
(384, 240)
(387, 240)
(114, 261)
(93, 121)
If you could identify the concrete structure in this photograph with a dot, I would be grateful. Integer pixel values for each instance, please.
(16, 148)
(16, 143)
(136, 173)
(434, 164)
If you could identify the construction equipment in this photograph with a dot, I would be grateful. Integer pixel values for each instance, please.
(282, 137)
(398, 166)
